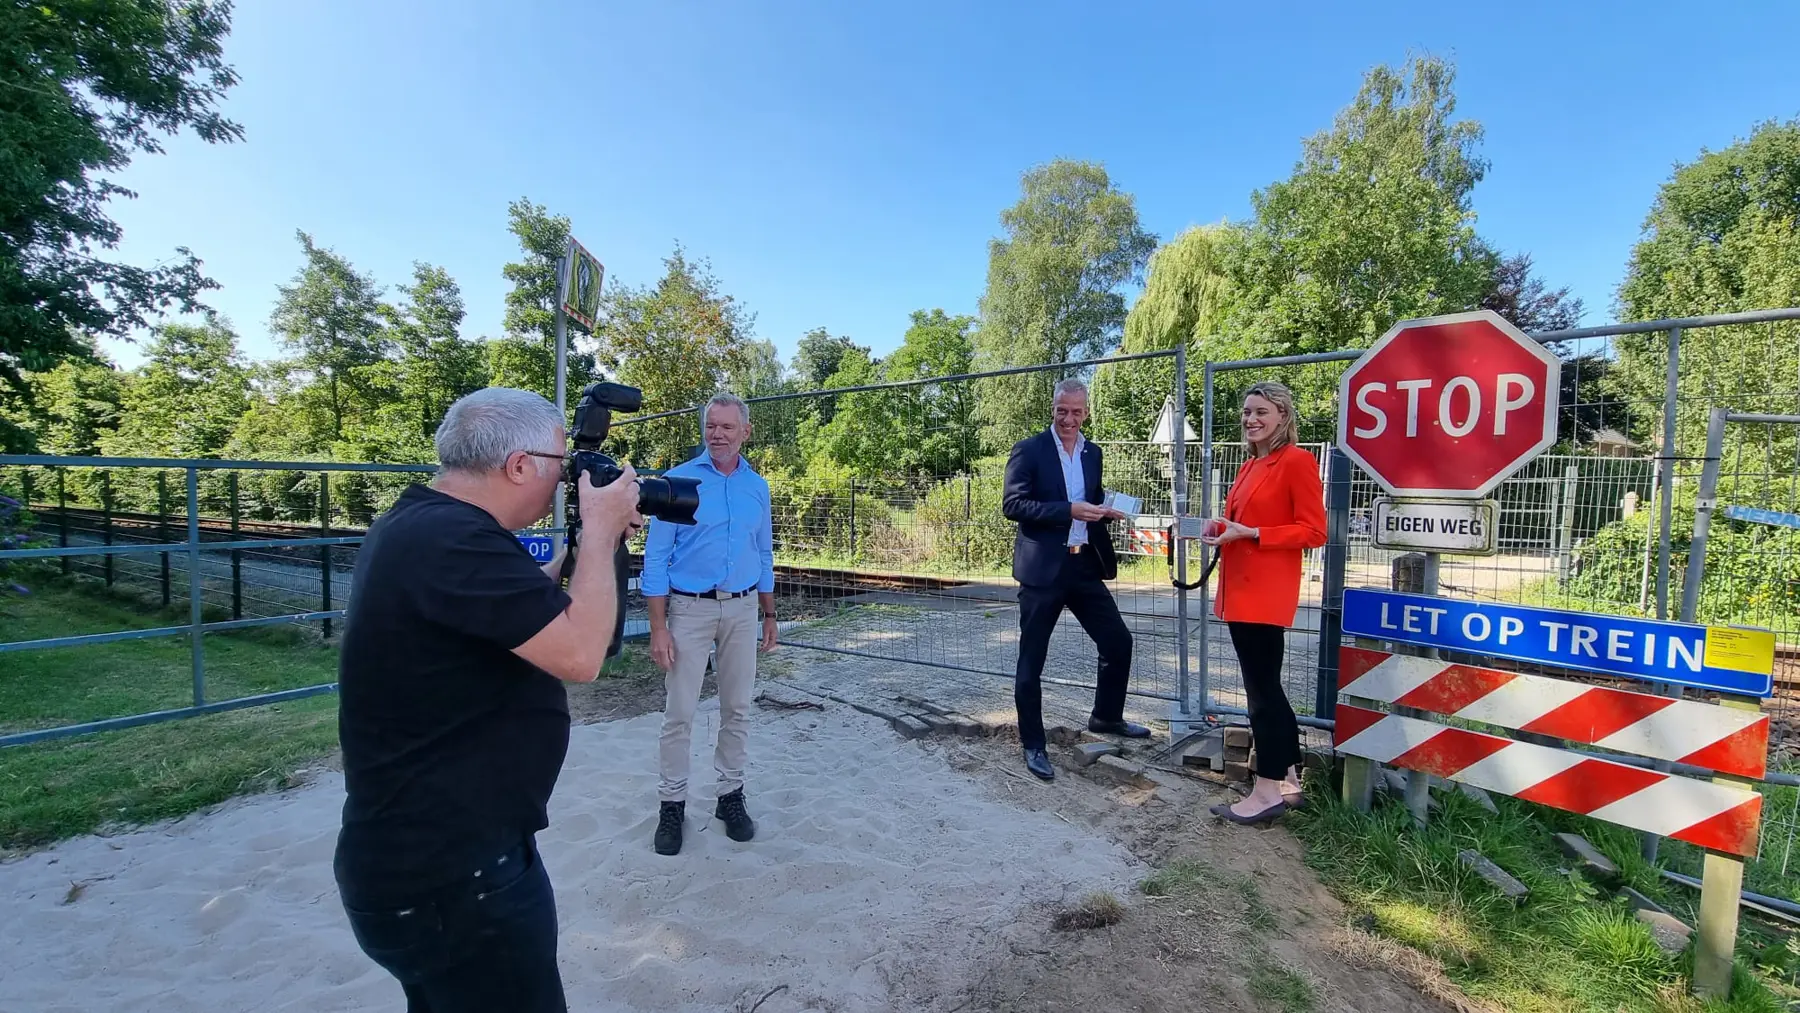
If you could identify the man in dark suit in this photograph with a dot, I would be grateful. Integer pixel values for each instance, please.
(1062, 555)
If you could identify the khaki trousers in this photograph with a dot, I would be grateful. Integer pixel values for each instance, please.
(729, 630)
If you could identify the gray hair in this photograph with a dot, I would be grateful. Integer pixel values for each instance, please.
(481, 430)
(1069, 386)
(724, 397)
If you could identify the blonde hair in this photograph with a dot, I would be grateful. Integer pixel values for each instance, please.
(1282, 398)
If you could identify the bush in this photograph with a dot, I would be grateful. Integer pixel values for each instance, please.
(824, 512)
(961, 520)
(1752, 573)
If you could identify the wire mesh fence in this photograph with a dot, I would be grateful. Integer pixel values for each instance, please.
(890, 539)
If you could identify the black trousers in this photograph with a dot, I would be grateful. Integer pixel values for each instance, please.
(1259, 649)
(486, 942)
(1082, 592)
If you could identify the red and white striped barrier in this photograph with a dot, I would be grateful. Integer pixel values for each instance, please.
(1661, 728)
(1723, 817)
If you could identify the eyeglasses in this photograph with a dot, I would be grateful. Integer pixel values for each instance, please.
(539, 453)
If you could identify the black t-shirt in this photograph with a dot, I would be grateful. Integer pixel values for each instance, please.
(452, 743)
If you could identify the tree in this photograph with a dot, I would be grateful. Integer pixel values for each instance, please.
(187, 398)
(937, 421)
(820, 354)
(526, 357)
(1525, 300)
(1722, 236)
(435, 367)
(759, 372)
(677, 342)
(83, 87)
(69, 409)
(333, 317)
(1072, 241)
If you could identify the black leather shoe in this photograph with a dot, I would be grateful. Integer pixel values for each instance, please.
(668, 827)
(1125, 728)
(730, 809)
(1038, 762)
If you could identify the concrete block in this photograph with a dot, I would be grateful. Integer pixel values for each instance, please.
(1237, 771)
(940, 725)
(1670, 932)
(1639, 902)
(1587, 858)
(1088, 753)
(1208, 751)
(967, 726)
(1123, 771)
(1236, 738)
(920, 705)
(1481, 798)
(910, 725)
(1500, 879)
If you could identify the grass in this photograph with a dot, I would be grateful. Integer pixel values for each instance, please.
(1569, 947)
(1095, 911)
(1281, 986)
(63, 788)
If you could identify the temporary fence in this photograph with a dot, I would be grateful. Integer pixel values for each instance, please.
(889, 533)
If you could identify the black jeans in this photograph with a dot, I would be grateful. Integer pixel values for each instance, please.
(1082, 592)
(484, 943)
(1259, 649)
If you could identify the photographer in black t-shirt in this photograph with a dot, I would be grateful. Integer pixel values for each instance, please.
(453, 716)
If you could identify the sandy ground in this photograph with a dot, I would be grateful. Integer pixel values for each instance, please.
(877, 873)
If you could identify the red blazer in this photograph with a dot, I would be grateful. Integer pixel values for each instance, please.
(1259, 580)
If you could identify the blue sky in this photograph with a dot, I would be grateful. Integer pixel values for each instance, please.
(842, 164)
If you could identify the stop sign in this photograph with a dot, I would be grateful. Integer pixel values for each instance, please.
(1449, 405)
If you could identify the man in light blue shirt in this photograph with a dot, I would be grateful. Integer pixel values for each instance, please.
(704, 583)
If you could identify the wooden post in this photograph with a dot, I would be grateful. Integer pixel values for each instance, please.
(325, 550)
(162, 529)
(1359, 773)
(62, 517)
(1721, 891)
(237, 555)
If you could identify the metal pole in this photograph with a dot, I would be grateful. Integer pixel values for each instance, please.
(1666, 471)
(107, 520)
(1650, 843)
(162, 529)
(1206, 510)
(1178, 434)
(1703, 511)
(1337, 561)
(562, 363)
(325, 550)
(1565, 528)
(62, 516)
(196, 636)
(237, 555)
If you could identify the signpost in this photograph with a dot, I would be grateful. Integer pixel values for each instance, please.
(579, 276)
(1723, 659)
(1461, 526)
(1449, 406)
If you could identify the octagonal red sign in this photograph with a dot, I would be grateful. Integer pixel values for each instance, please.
(1449, 405)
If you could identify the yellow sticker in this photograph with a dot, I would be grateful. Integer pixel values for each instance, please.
(1740, 650)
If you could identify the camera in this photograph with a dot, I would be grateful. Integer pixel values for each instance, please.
(673, 500)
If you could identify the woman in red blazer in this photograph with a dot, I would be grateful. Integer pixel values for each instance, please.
(1274, 512)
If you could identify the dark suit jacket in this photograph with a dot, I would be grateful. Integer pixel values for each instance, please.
(1036, 498)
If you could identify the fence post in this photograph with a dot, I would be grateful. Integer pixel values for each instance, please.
(1721, 875)
(1208, 480)
(1179, 506)
(1565, 530)
(62, 516)
(853, 520)
(1337, 559)
(237, 555)
(106, 522)
(25, 488)
(196, 645)
(325, 550)
(1650, 843)
(968, 516)
(162, 529)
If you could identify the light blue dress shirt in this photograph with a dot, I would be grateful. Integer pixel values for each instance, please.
(731, 545)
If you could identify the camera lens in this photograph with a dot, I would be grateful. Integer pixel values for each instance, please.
(669, 499)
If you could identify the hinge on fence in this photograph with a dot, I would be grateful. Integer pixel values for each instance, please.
(1706, 503)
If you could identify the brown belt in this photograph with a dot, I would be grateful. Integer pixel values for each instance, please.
(1075, 550)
